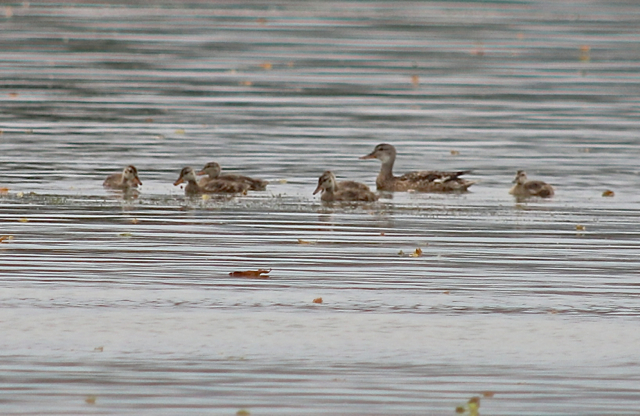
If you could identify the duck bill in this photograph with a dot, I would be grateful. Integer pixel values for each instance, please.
(318, 189)
(369, 156)
(179, 181)
(201, 173)
(136, 181)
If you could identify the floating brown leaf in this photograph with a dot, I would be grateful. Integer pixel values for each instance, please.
(301, 241)
(317, 300)
(5, 238)
(4, 190)
(580, 227)
(266, 66)
(90, 400)
(415, 80)
(455, 153)
(243, 412)
(608, 193)
(417, 253)
(585, 53)
(488, 393)
(252, 274)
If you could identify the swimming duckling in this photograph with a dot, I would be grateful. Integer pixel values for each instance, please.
(212, 169)
(331, 192)
(212, 187)
(425, 181)
(524, 188)
(125, 181)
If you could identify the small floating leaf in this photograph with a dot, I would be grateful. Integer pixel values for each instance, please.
(471, 408)
(125, 235)
(20, 194)
(301, 241)
(5, 238)
(252, 274)
(417, 253)
(4, 190)
(134, 221)
(206, 197)
(415, 80)
(488, 393)
(317, 300)
(98, 349)
(455, 153)
(90, 400)
(283, 181)
(581, 227)
(266, 66)
(246, 83)
(180, 131)
(243, 412)
(608, 193)
(24, 219)
(400, 253)
(585, 53)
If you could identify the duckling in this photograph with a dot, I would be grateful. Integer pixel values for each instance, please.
(212, 187)
(425, 181)
(331, 192)
(212, 169)
(524, 188)
(125, 181)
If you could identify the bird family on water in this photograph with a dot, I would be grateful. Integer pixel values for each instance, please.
(213, 181)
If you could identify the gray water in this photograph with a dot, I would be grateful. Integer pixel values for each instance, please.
(113, 305)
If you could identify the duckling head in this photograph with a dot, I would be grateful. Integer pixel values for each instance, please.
(326, 182)
(521, 177)
(186, 174)
(383, 152)
(212, 169)
(130, 175)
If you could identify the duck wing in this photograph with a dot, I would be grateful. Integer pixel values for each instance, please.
(254, 184)
(354, 194)
(539, 188)
(432, 176)
(353, 185)
(216, 186)
(434, 181)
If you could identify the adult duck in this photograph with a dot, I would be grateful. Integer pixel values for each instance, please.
(332, 191)
(212, 170)
(423, 181)
(526, 188)
(126, 180)
(212, 187)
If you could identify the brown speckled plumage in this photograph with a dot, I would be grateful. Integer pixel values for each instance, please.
(212, 187)
(423, 181)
